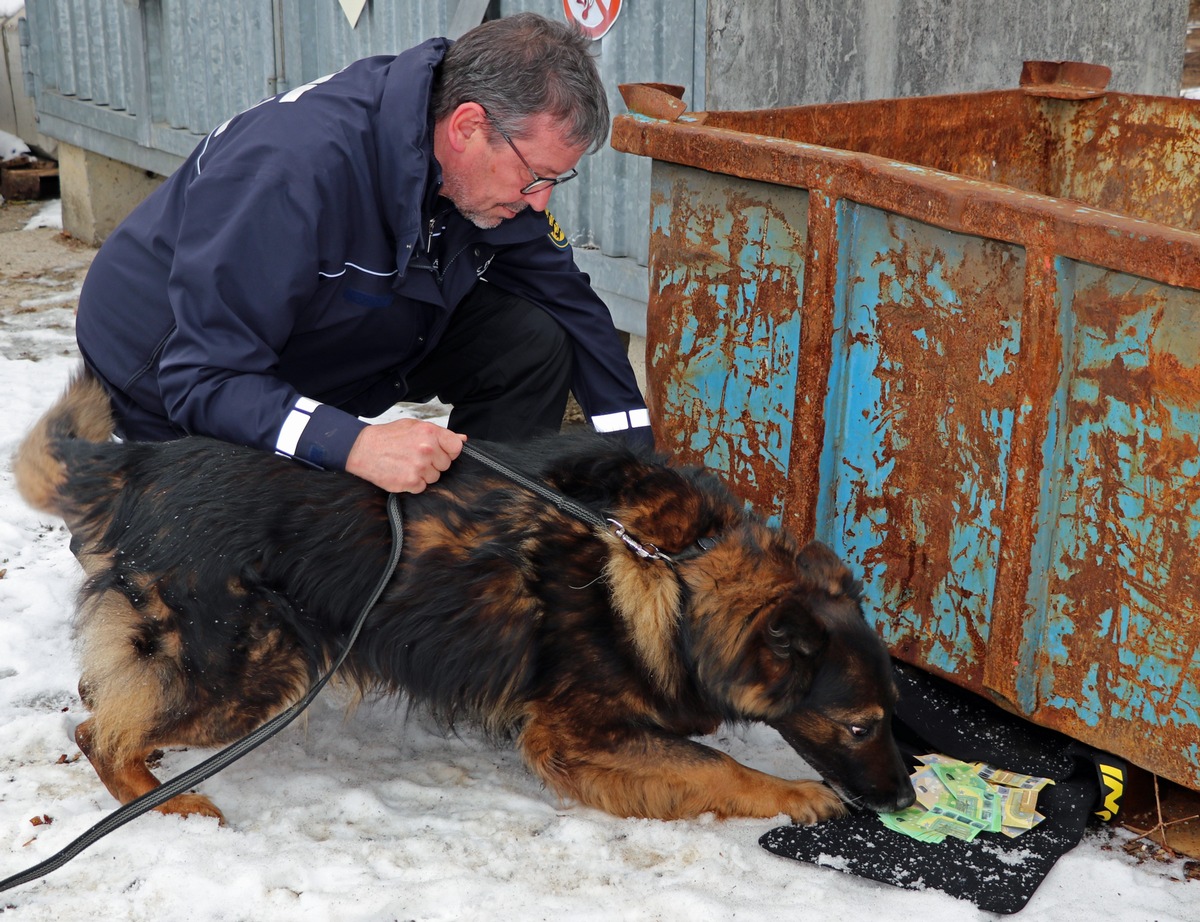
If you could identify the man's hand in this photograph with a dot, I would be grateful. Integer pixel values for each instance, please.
(403, 456)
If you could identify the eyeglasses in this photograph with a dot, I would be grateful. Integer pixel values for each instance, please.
(539, 182)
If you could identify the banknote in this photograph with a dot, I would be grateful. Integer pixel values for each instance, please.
(912, 822)
(1018, 810)
(993, 775)
(963, 800)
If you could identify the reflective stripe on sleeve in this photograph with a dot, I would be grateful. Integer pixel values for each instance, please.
(616, 422)
(293, 426)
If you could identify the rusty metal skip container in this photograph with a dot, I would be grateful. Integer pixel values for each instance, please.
(958, 339)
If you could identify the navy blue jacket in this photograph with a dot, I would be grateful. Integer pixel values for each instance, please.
(283, 281)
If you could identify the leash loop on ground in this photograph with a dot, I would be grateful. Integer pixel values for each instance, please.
(234, 751)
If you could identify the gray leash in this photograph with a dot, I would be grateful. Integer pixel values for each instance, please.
(564, 503)
(230, 753)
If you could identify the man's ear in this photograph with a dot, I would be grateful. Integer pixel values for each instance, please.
(463, 123)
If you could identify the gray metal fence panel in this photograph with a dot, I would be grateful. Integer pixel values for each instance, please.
(319, 39)
(86, 72)
(646, 44)
(605, 213)
(214, 59)
(162, 73)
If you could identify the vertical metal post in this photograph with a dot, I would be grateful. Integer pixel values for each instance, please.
(139, 87)
(279, 81)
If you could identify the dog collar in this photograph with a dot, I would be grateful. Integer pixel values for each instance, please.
(586, 514)
(651, 552)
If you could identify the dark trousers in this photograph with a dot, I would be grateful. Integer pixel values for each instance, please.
(504, 365)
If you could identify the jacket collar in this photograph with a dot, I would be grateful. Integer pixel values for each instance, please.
(404, 143)
(409, 175)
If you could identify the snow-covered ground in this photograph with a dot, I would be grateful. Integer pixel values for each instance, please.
(377, 817)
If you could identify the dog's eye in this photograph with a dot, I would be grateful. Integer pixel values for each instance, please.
(859, 732)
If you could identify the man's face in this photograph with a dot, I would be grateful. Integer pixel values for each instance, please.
(487, 190)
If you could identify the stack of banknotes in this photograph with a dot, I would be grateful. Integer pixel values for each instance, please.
(962, 799)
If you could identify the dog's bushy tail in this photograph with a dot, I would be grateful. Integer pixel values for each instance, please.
(82, 413)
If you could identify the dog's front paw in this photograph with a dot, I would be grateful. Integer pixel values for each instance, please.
(812, 802)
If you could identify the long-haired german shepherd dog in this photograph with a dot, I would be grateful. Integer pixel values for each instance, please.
(221, 580)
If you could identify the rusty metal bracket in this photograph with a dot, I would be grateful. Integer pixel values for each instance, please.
(1064, 79)
(658, 100)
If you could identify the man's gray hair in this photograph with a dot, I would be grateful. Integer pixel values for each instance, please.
(526, 65)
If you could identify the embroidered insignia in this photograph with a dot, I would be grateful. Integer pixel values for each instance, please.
(557, 237)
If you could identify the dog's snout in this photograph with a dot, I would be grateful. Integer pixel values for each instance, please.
(890, 799)
(905, 797)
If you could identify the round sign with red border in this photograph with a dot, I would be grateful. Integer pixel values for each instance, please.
(596, 17)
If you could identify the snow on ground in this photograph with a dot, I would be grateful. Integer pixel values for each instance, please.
(377, 817)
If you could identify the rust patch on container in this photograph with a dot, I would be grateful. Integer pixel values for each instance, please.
(1122, 644)
(817, 332)
(1130, 155)
(659, 100)
(1064, 79)
(724, 308)
(946, 337)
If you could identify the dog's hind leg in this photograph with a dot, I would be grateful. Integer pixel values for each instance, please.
(127, 777)
(138, 698)
(652, 774)
(147, 689)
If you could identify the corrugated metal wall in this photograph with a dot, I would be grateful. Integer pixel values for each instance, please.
(206, 61)
(607, 216)
(142, 82)
(318, 39)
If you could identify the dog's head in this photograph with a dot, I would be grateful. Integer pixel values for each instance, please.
(779, 636)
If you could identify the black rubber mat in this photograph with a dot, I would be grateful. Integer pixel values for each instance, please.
(996, 873)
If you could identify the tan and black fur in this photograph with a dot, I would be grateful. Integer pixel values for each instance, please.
(221, 580)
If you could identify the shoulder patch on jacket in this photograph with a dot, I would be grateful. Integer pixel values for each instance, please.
(557, 237)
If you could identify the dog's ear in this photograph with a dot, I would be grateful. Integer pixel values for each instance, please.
(827, 571)
(793, 631)
(796, 640)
